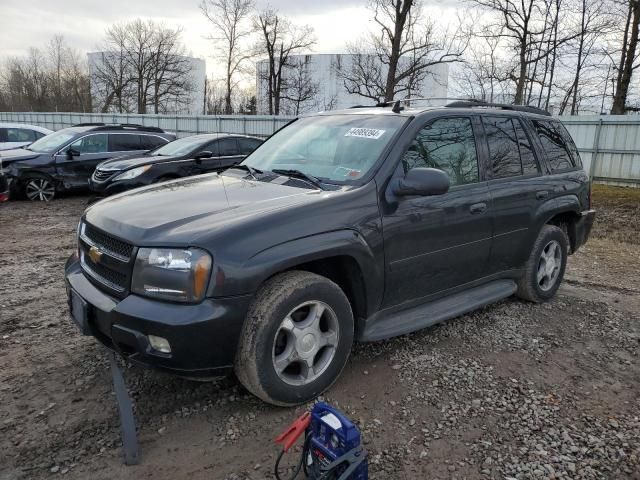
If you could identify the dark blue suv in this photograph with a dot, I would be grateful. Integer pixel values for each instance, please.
(66, 159)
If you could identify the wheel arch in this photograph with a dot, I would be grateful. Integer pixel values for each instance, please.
(342, 256)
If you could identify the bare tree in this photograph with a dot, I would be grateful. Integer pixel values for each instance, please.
(483, 74)
(628, 55)
(280, 40)
(230, 20)
(142, 67)
(300, 89)
(45, 80)
(396, 58)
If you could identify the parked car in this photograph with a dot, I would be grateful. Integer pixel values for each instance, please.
(66, 159)
(359, 225)
(16, 135)
(181, 158)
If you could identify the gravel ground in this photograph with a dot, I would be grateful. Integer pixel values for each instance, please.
(512, 391)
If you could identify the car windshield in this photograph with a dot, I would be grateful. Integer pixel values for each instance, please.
(333, 148)
(52, 142)
(181, 146)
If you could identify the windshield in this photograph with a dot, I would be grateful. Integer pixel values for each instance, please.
(180, 147)
(333, 148)
(52, 142)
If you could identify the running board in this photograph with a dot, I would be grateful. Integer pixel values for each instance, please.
(382, 325)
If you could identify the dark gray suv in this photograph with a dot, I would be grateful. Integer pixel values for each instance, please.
(355, 225)
(66, 159)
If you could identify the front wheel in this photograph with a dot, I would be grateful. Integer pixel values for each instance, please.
(39, 188)
(545, 267)
(296, 338)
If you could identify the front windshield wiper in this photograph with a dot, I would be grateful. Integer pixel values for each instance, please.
(252, 170)
(300, 175)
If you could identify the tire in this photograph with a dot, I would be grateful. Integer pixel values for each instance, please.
(545, 267)
(276, 332)
(39, 188)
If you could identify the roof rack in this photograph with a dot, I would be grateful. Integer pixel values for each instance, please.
(458, 103)
(503, 106)
(120, 126)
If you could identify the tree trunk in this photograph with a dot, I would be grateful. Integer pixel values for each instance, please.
(625, 71)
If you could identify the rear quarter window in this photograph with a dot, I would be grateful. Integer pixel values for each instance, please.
(554, 145)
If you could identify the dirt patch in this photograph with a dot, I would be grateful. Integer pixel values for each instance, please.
(513, 390)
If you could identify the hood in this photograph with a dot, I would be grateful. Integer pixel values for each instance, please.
(182, 211)
(126, 162)
(17, 154)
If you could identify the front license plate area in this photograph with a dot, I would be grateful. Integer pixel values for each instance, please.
(79, 313)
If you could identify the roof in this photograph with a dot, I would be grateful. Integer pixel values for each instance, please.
(24, 125)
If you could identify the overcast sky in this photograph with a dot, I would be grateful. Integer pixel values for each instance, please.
(27, 23)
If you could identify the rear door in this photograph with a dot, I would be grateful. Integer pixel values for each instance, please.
(75, 171)
(516, 187)
(435, 243)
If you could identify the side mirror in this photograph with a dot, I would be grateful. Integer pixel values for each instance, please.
(203, 154)
(71, 152)
(423, 182)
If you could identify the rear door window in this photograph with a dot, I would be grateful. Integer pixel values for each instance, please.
(149, 142)
(124, 142)
(248, 145)
(504, 154)
(228, 147)
(554, 145)
(527, 154)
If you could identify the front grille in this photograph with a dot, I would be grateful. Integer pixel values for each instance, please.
(107, 262)
(114, 280)
(107, 243)
(102, 175)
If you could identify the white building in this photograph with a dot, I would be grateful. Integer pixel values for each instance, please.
(323, 79)
(183, 102)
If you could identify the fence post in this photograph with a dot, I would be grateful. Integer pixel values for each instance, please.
(595, 150)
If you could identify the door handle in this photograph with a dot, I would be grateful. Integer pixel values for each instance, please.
(541, 195)
(477, 208)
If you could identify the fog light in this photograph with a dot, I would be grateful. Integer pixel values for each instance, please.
(160, 344)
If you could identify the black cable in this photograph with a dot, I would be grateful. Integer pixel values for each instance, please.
(301, 462)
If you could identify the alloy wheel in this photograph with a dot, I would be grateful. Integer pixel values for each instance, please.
(305, 343)
(40, 189)
(549, 265)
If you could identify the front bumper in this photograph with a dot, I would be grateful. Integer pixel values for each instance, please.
(110, 187)
(583, 228)
(203, 337)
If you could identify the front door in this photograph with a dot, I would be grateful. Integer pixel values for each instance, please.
(75, 170)
(438, 242)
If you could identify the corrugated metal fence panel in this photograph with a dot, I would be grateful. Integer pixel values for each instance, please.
(181, 125)
(614, 142)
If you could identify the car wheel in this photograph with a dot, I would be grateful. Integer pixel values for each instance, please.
(39, 188)
(296, 338)
(546, 265)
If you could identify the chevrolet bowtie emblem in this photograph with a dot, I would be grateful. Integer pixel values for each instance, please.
(95, 255)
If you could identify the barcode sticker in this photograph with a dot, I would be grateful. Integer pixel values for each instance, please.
(372, 133)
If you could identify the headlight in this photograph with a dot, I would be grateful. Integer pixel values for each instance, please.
(172, 274)
(133, 173)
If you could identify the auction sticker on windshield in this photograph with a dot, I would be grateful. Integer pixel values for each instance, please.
(372, 133)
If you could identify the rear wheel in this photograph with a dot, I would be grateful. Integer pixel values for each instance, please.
(39, 188)
(296, 338)
(545, 267)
